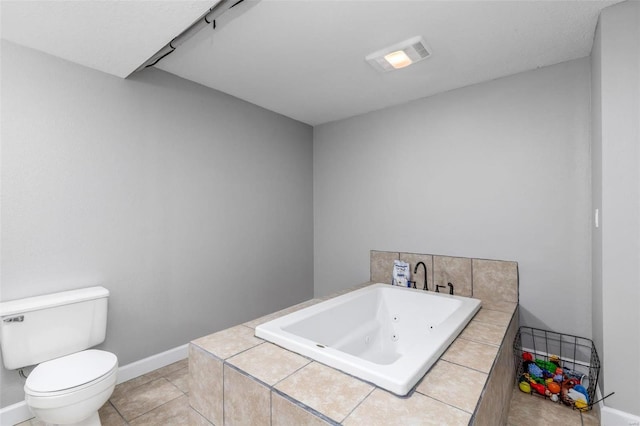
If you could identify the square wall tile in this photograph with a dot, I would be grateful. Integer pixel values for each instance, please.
(495, 281)
(381, 265)
(286, 413)
(494, 406)
(454, 270)
(246, 401)
(493, 317)
(453, 384)
(467, 353)
(325, 390)
(229, 342)
(383, 408)
(205, 384)
(268, 362)
(413, 259)
(484, 333)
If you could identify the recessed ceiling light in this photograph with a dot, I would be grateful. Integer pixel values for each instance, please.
(398, 59)
(399, 55)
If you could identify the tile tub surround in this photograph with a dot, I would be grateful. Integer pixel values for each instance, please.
(495, 282)
(250, 381)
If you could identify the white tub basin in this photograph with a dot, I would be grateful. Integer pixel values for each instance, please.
(389, 336)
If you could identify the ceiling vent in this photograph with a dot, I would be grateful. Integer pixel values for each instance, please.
(399, 55)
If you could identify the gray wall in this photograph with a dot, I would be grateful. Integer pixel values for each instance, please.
(192, 207)
(616, 191)
(497, 170)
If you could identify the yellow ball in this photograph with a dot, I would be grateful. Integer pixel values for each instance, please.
(525, 387)
(581, 405)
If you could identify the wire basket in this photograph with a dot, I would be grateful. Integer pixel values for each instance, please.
(577, 357)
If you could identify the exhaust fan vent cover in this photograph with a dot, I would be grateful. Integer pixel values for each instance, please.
(399, 55)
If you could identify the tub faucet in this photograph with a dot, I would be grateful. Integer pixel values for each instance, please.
(415, 270)
(438, 287)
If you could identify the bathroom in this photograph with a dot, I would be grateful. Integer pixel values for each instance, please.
(199, 211)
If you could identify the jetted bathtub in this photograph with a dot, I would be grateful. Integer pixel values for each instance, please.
(387, 335)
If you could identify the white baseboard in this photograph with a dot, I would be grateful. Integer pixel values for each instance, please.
(14, 414)
(19, 412)
(146, 365)
(612, 417)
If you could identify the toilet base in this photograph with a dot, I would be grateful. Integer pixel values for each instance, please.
(93, 420)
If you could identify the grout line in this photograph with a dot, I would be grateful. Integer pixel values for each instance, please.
(294, 372)
(223, 392)
(447, 404)
(117, 411)
(358, 404)
(433, 273)
(305, 407)
(493, 345)
(466, 366)
(155, 408)
(472, 286)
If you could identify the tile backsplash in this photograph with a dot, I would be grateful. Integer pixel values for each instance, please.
(495, 282)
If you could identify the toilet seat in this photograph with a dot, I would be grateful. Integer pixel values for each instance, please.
(71, 373)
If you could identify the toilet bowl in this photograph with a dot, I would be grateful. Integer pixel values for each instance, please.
(69, 390)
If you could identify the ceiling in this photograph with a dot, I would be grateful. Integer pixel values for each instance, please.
(112, 36)
(305, 58)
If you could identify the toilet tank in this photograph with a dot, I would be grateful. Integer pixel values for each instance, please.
(41, 328)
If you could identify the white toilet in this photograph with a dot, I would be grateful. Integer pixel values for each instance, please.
(70, 383)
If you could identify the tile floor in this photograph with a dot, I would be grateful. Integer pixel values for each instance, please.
(161, 398)
(532, 410)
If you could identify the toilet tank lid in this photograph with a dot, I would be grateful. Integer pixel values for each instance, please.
(28, 304)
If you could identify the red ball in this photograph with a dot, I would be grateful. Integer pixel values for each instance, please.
(539, 388)
(527, 356)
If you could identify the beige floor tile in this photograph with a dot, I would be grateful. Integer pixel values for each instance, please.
(326, 390)
(382, 408)
(484, 333)
(180, 379)
(205, 384)
(493, 317)
(478, 356)
(145, 398)
(268, 362)
(172, 413)
(453, 385)
(168, 369)
(109, 416)
(229, 342)
(286, 413)
(246, 402)
(531, 410)
(126, 387)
